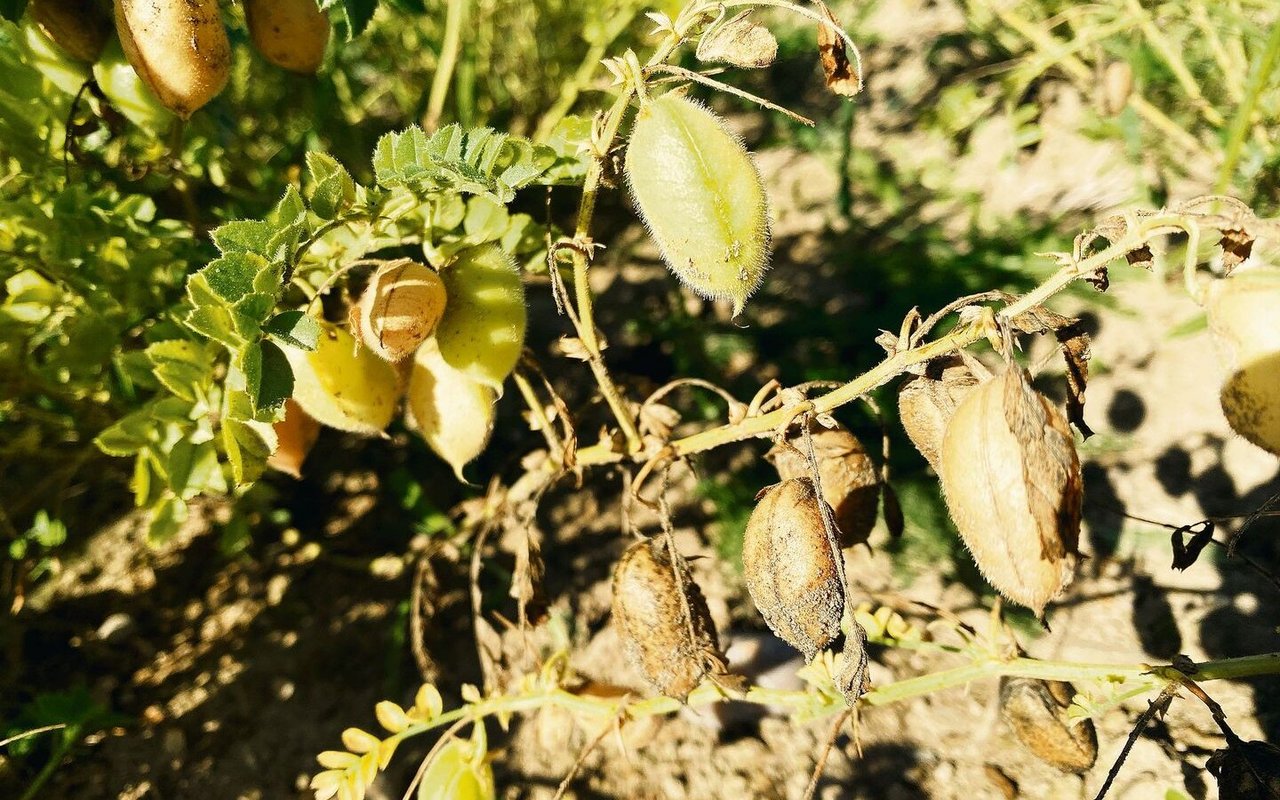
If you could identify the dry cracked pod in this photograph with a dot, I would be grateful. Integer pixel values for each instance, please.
(1036, 710)
(850, 480)
(1011, 478)
(399, 309)
(790, 569)
(673, 651)
(926, 403)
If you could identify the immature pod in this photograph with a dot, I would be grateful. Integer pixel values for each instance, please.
(295, 436)
(701, 196)
(179, 47)
(482, 330)
(81, 29)
(399, 309)
(1036, 710)
(452, 411)
(1011, 478)
(292, 34)
(790, 569)
(1244, 315)
(927, 401)
(664, 624)
(344, 386)
(850, 479)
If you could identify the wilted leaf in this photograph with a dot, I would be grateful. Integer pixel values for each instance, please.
(844, 77)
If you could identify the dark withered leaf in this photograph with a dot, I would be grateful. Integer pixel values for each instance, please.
(1236, 247)
(844, 77)
(1247, 771)
(1185, 553)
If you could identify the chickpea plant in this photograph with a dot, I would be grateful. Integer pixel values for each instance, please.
(313, 316)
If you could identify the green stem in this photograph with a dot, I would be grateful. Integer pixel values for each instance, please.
(449, 49)
(1258, 78)
(69, 738)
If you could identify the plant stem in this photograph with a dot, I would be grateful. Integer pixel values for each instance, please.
(70, 737)
(1261, 73)
(448, 62)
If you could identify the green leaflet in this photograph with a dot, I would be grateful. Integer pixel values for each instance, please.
(474, 161)
(482, 331)
(701, 196)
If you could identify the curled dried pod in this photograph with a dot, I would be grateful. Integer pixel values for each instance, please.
(1036, 710)
(927, 401)
(292, 34)
(790, 569)
(399, 309)
(1243, 318)
(178, 47)
(664, 623)
(1011, 478)
(850, 480)
(80, 29)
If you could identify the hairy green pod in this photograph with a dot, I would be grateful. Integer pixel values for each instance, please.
(701, 197)
(482, 331)
(452, 411)
(344, 386)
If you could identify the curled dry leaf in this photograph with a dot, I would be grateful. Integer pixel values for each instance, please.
(80, 29)
(739, 42)
(399, 309)
(1036, 710)
(452, 411)
(790, 569)
(850, 480)
(1011, 478)
(926, 403)
(1243, 317)
(844, 77)
(673, 650)
(295, 435)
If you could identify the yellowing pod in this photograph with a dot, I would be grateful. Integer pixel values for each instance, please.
(344, 386)
(292, 34)
(701, 197)
(1244, 315)
(451, 410)
(179, 47)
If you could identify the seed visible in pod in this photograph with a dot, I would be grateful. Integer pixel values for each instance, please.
(850, 480)
(1036, 710)
(1011, 478)
(701, 196)
(399, 309)
(80, 28)
(926, 403)
(179, 47)
(292, 34)
(1244, 315)
(790, 569)
(673, 652)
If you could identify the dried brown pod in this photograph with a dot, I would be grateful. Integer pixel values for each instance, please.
(1036, 710)
(664, 623)
(295, 435)
(1246, 770)
(852, 678)
(1011, 478)
(926, 403)
(850, 480)
(399, 309)
(81, 29)
(739, 42)
(790, 569)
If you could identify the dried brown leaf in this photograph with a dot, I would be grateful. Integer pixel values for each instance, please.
(844, 77)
